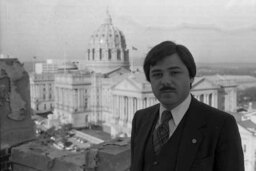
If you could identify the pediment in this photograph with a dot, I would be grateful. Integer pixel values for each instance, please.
(117, 72)
(204, 84)
(126, 85)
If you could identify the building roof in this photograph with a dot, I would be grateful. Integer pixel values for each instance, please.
(97, 133)
(116, 72)
(249, 125)
(221, 80)
(68, 66)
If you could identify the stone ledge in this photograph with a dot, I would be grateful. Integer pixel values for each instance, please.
(113, 155)
(35, 156)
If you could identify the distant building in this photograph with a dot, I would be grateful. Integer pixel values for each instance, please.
(42, 92)
(133, 92)
(247, 131)
(46, 67)
(129, 95)
(72, 93)
(216, 91)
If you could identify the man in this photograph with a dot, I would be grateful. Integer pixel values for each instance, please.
(181, 133)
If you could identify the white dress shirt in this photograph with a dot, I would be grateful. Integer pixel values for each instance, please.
(177, 113)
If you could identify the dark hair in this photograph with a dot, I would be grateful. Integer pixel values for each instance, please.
(168, 48)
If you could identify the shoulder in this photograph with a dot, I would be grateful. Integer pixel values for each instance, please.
(147, 111)
(210, 113)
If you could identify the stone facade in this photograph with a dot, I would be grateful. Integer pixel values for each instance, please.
(73, 98)
(248, 143)
(111, 99)
(216, 92)
(42, 92)
(110, 156)
(15, 113)
(134, 92)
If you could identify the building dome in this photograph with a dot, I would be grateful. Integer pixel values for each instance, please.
(108, 36)
(107, 48)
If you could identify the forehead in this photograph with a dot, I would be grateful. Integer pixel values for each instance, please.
(169, 62)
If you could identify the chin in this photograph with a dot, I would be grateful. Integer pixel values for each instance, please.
(167, 102)
(168, 97)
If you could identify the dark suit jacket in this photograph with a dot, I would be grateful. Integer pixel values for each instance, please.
(210, 140)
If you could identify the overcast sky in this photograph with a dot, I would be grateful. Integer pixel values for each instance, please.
(214, 30)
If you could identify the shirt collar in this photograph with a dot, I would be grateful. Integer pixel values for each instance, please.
(178, 112)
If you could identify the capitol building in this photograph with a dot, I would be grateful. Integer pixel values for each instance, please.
(104, 91)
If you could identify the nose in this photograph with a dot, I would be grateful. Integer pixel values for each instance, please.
(166, 79)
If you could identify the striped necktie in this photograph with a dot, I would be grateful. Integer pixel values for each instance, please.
(161, 134)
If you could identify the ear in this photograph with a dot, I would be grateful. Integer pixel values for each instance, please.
(191, 82)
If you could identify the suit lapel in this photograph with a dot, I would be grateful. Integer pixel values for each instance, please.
(149, 118)
(191, 137)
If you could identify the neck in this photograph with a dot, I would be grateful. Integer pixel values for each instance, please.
(171, 107)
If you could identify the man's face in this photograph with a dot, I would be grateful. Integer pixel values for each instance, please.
(170, 81)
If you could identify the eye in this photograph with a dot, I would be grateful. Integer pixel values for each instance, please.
(174, 72)
(156, 75)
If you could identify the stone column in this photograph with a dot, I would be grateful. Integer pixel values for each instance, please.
(214, 100)
(140, 103)
(36, 91)
(206, 98)
(79, 99)
(115, 106)
(120, 108)
(130, 109)
(131, 112)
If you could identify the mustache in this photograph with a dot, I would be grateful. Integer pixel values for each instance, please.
(166, 88)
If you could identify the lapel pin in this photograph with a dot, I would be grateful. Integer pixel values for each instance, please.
(194, 140)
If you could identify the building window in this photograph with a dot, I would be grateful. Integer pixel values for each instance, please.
(85, 103)
(44, 96)
(44, 106)
(50, 96)
(100, 54)
(88, 54)
(93, 53)
(109, 54)
(118, 54)
(244, 148)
